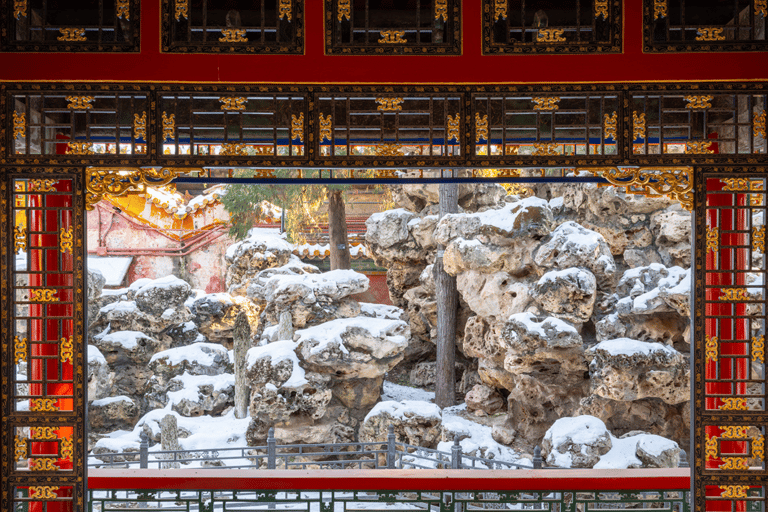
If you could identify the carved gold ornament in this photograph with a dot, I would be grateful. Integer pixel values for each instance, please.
(19, 349)
(67, 448)
(758, 124)
(733, 294)
(79, 102)
(699, 148)
(43, 434)
(65, 240)
(343, 10)
(713, 239)
(297, 127)
(182, 9)
(453, 128)
(545, 149)
(673, 182)
(43, 492)
(545, 103)
(392, 36)
(758, 448)
(550, 35)
(389, 104)
(699, 101)
(71, 34)
(169, 126)
(741, 184)
(733, 491)
(710, 349)
(710, 450)
(659, 9)
(43, 185)
(285, 9)
(20, 448)
(66, 350)
(140, 126)
(758, 238)
(738, 463)
(233, 103)
(19, 239)
(42, 295)
(123, 9)
(758, 348)
(19, 8)
(43, 405)
(118, 181)
(733, 432)
(233, 150)
(264, 173)
(734, 404)
(638, 126)
(80, 148)
(481, 127)
(43, 464)
(325, 128)
(601, 9)
(499, 9)
(19, 125)
(441, 9)
(389, 150)
(761, 8)
(233, 35)
(609, 125)
(710, 34)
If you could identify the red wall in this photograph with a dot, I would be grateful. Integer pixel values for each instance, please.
(315, 67)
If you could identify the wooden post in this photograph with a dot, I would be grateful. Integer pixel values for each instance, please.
(337, 230)
(447, 297)
(241, 338)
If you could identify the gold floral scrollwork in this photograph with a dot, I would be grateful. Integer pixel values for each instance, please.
(389, 104)
(673, 182)
(19, 8)
(609, 125)
(79, 102)
(43, 464)
(80, 148)
(118, 181)
(71, 34)
(703, 147)
(233, 103)
(19, 125)
(285, 9)
(441, 9)
(713, 239)
(699, 101)
(758, 238)
(550, 35)
(389, 150)
(761, 8)
(499, 9)
(601, 9)
(739, 463)
(736, 184)
(19, 349)
(42, 295)
(325, 128)
(710, 349)
(758, 448)
(710, 34)
(733, 432)
(20, 448)
(343, 10)
(545, 149)
(44, 185)
(758, 348)
(123, 9)
(233, 35)
(734, 404)
(67, 448)
(43, 492)
(140, 126)
(19, 239)
(638, 126)
(181, 8)
(733, 491)
(43, 434)
(66, 350)
(233, 150)
(758, 124)
(392, 36)
(43, 405)
(710, 450)
(297, 127)
(264, 173)
(453, 128)
(66, 239)
(734, 294)
(545, 103)
(659, 9)
(481, 127)
(169, 126)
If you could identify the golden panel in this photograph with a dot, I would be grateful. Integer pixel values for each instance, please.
(734, 294)
(710, 34)
(545, 103)
(43, 405)
(169, 126)
(545, 149)
(481, 127)
(758, 238)
(659, 9)
(733, 432)
(441, 9)
(19, 8)
(638, 126)
(285, 9)
(123, 9)
(233, 150)
(65, 240)
(297, 127)
(758, 448)
(233, 35)
(71, 34)
(710, 450)
(140, 126)
(19, 349)
(182, 9)
(19, 239)
(67, 448)
(601, 9)
(66, 350)
(734, 463)
(392, 36)
(80, 148)
(453, 128)
(389, 104)
(43, 492)
(734, 404)
(761, 8)
(713, 239)
(609, 125)
(699, 101)
(389, 150)
(79, 102)
(43, 434)
(499, 9)
(710, 349)
(43, 464)
(118, 181)
(756, 200)
(758, 124)
(674, 182)
(43, 295)
(758, 348)
(385, 173)
(325, 128)
(19, 125)
(741, 184)
(734, 491)
(550, 35)
(343, 10)
(44, 185)
(233, 103)
(20, 448)
(699, 148)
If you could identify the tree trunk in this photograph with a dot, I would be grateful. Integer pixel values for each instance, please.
(447, 297)
(337, 231)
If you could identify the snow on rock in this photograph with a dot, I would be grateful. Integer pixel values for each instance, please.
(644, 287)
(195, 395)
(263, 248)
(568, 294)
(640, 450)
(95, 355)
(196, 359)
(397, 393)
(110, 413)
(275, 363)
(530, 340)
(380, 311)
(415, 422)
(159, 295)
(573, 245)
(125, 347)
(576, 442)
(260, 240)
(475, 439)
(331, 286)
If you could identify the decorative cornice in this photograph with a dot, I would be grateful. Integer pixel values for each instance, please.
(119, 181)
(673, 182)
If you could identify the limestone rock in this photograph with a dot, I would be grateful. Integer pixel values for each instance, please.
(533, 341)
(423, 374)
(389, 239)
(400, 279)
(125, 347)
(214, 316)
(160, 295)
(415, 422)
(672, 229)
(572, 245)
(260, 250)
(576, 442)
(113, 413)
(658, 452)
(484, 400)
(196, 359)
(493, 295)
(567, 294)
(100, 377)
